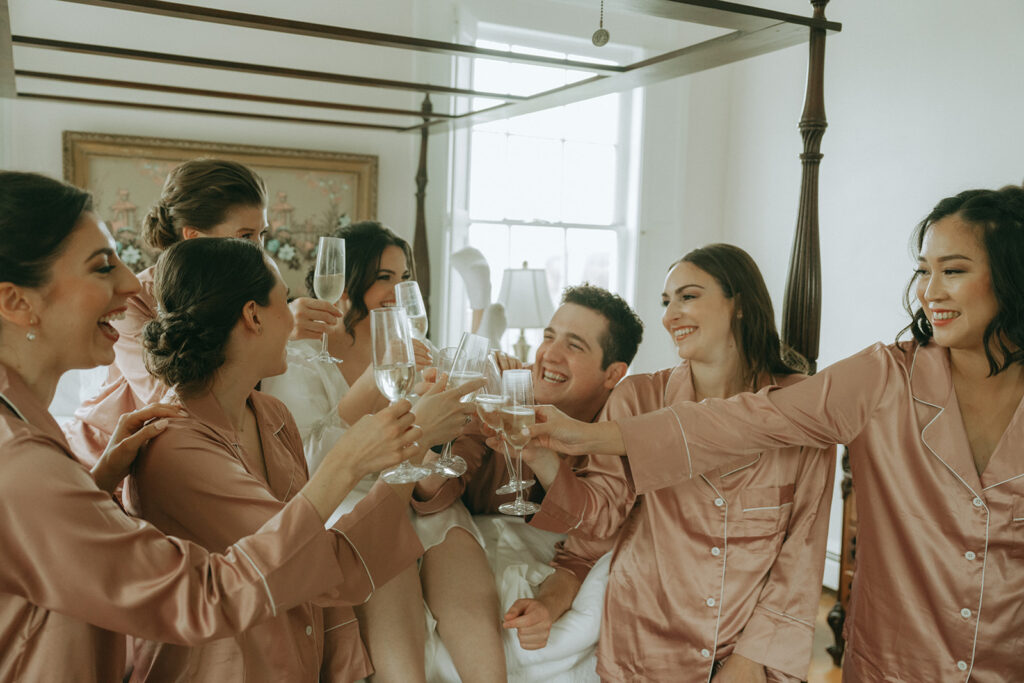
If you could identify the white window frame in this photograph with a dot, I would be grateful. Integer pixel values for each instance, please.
(455, 314)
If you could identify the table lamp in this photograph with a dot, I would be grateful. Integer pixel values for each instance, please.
(524, 294)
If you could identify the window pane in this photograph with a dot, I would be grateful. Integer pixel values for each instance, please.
(589, 190)
(594, 120)
(488, 185)
(534, 183)
(592, 257)
(547, 123)
(492, 241)
(540, 247)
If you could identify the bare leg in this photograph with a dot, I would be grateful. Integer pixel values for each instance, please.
(393, 627)
(459, 589)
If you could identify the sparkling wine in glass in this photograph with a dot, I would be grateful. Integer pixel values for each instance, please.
(329, 281)
(408, 296)
(464, 363)
(394, 371)
(517, 413)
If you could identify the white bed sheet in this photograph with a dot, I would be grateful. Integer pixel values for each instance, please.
(519, 556)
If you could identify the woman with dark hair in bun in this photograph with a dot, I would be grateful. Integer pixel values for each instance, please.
(237, 459)
(200, 198)
(934, 427)
(77, 573)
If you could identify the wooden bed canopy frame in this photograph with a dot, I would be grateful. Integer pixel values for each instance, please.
(752, 31)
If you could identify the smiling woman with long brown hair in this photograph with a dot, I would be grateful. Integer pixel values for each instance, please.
(708, 577)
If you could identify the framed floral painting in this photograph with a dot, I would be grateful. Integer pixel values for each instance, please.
(309, 192)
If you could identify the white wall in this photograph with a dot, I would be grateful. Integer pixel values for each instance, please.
(921, 105)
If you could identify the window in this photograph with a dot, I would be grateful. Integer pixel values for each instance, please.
(549, 188)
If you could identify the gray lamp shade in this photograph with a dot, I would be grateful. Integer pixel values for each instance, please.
(524, 294)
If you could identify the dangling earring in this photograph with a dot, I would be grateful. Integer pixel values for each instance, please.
(30, 335)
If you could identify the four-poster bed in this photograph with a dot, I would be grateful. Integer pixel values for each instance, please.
(746, 31)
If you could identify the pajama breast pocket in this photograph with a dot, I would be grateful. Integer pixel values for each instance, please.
(763, 511)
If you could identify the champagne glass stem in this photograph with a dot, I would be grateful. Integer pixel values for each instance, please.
(508, 465)
(323, 345)
(519, 476)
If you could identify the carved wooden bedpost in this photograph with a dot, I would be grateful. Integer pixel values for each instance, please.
(420, 253)
(801, 308)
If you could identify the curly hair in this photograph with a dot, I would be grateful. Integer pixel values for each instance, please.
(998, 219)
(365, 242)
(201, 287)
(625, 329)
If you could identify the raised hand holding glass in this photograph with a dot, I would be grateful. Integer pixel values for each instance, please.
(329, 281)
(394, 371)
(517, 413)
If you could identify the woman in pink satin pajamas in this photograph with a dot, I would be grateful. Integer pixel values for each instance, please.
(76, 571)
(709, 577)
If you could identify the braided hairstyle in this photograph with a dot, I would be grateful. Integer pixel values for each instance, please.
(199, 194)
(997, 217)
(201, 287)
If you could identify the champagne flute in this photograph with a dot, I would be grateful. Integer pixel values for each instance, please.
(517, 387)
(329, 282)
(408, 296)
(463, 363)
(489, 403)
(394, 371)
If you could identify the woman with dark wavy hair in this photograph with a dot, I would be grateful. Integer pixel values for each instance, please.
(77, 572)
(934, 427)
(708, 577)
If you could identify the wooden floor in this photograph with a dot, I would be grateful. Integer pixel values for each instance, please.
(822, 670)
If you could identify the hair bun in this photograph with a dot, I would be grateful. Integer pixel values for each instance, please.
(179, 350)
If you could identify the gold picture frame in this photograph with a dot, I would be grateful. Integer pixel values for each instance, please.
(309, 192)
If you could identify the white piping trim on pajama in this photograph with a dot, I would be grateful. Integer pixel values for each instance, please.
(686, 444)
(988, 518)
(787, 616)
(725, 561)
(266, 586)
(1004, 481)
(743, 467)
(350, 621)
(373, 586)
(769, 507)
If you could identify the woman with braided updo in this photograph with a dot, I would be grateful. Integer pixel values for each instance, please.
(237, 459)
(200, 198)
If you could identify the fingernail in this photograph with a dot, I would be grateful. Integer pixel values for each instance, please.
(160, 424)
(182, 412)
